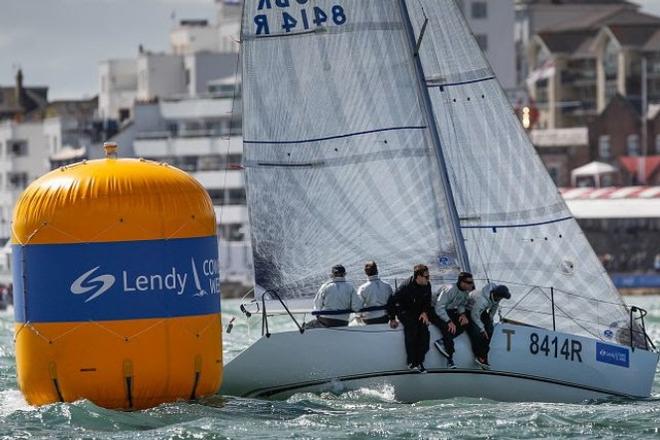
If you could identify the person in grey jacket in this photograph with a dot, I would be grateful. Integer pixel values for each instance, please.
(449, 314)
(374, 293)
(483, 306)
(338, 297)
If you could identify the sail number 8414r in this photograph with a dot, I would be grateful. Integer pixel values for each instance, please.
(555, 347)
(303, 19)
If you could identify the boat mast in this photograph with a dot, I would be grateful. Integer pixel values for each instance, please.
(430, 116)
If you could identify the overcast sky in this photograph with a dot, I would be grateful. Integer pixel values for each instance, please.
(58, 43)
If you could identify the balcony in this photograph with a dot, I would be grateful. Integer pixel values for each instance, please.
(231, 214)
(162, 144)
(220, 179)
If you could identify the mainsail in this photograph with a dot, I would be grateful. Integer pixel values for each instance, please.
(517, 228)
(340, 162)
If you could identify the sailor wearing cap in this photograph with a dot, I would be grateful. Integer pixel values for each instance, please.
(337, 297)
(483, 306)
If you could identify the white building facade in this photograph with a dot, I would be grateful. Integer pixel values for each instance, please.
(24, 156)
(202, 136)
(492, 24)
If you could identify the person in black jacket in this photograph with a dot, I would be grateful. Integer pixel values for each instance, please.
(411, 304)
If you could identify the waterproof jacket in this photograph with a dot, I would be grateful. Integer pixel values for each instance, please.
(481, 301)
(374, 293)
(450, 298)
(337, 294)
(410, 300)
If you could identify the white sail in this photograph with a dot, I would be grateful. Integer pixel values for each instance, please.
(340, 166)
(517, 229)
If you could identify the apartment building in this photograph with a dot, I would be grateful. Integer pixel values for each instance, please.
(492, 24)
(578, 68)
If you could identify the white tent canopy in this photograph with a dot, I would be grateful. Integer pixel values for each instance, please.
(595, 169)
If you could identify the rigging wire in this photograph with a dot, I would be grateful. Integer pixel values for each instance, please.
(237, 75)
(421, 5)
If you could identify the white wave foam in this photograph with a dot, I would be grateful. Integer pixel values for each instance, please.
(12, 401)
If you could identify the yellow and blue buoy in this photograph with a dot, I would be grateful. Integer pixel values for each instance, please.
(116, 285)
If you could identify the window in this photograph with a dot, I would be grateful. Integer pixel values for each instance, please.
(231, 232)
(479, 10)
(210, 163)
(18, 148)
(482, 40)
(611, 61)
(554, 174)
(604, 148)
(657, 144)
(633, 145)
(124, 113)
(18, 180)
(187, 77)
(186, 163)
(234, 159)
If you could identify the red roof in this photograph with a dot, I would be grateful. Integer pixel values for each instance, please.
(631, 164)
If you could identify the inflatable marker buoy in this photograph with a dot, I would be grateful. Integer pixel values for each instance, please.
(116, 285)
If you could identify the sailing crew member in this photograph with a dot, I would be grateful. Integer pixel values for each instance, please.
(338, 298)
(411, 304)
(450, 315)
(483, 306)
(374, 293)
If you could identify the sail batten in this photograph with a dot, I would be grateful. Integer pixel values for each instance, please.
(337, 136)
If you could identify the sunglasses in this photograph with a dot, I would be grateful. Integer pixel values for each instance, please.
(471, 283)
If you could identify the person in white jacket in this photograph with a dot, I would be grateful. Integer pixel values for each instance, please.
(374, 293)
(449, 314)
(338, 298)
(483, 306)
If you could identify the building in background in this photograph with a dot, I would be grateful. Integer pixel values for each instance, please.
(184, 108)
(31, 131)
(201, 135)
(623, 226)
(573, 66)
(535, 16)
(578, 67)
(491, 22)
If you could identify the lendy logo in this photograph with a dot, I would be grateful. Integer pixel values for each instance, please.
(203, 278)
(100, 283)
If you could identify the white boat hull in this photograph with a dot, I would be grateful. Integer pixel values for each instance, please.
(525, 366)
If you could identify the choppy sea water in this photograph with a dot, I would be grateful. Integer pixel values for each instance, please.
(362, 414)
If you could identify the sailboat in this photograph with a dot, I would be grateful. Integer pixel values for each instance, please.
(376, 130)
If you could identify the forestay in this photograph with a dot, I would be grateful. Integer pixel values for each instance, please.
(339, 162)
(517, 228)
